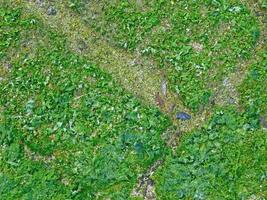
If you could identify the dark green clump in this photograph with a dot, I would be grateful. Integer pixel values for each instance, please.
(225, 159)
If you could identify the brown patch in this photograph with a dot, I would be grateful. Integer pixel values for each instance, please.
(164, 88)
(36, 157)
(197, 46)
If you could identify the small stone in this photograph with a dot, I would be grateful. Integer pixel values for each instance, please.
(82, 45)
(183, 116)
(164, 88)
(231, 100)
(51, 11)
(263, 122)
(40, 3)
(226, 82)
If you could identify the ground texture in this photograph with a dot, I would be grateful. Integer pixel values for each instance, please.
(133, 99)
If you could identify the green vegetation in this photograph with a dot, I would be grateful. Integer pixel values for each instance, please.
(67, 130)
(254, 87)
(226, 159)
(189, 39)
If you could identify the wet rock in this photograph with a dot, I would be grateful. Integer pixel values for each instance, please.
(164, 88)
(183, 116)
(51, 11)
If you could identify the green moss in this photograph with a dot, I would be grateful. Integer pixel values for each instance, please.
(253, 89)
(88, 137)
(68, 131)
(224, 154)
(196, 43)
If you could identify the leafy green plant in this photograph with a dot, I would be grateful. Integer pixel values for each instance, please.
(253, 90)
(223, 154)
(68, 131)
(196, 43)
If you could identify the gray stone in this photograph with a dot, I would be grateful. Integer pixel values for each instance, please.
(164, 88)
(183, 116)
(40, 3)
(231, 100)
(51, 11)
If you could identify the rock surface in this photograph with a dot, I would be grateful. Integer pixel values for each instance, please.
(183, 116)
(51, 11)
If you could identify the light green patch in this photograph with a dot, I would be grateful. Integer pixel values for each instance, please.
(196, 42)
(68, 131)
(137, 74)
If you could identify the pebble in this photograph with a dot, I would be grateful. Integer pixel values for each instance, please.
(51, 11)
(231, 100)
(164, 88)
(183, 116)
(40, 3)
